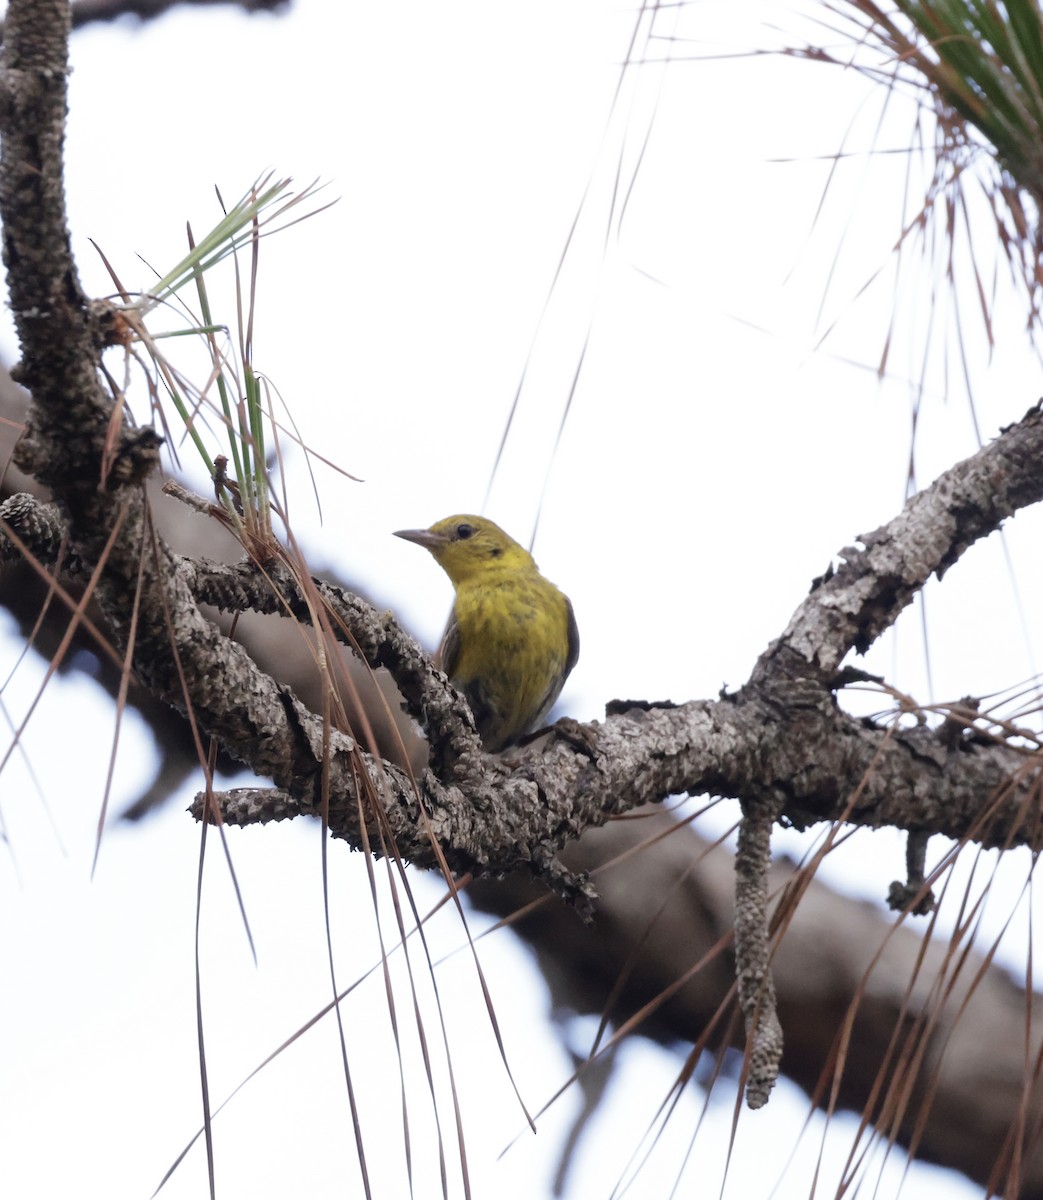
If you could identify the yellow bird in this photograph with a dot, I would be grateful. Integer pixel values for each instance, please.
(512, 638)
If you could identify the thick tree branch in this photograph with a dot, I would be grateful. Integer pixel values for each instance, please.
(850, 607)
(783, 741)
(791, 747)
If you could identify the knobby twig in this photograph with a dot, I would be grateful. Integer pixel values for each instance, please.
(752, 956)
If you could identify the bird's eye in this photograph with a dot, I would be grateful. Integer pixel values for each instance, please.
(464, 531)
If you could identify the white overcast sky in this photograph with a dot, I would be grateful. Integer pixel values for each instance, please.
(715, 458)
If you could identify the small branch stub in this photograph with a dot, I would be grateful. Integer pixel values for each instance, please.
(913, 893)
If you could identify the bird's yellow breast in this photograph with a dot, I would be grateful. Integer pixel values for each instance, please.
(512, 648)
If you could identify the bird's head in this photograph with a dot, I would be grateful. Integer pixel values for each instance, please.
(466, 547)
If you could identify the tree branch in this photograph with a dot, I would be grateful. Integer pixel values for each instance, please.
(850, 607)
(781, 740)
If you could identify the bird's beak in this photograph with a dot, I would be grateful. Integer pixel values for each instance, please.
(423, 537)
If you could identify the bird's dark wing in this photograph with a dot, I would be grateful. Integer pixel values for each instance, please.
(449, 652)
(448, 659)
(573, 657)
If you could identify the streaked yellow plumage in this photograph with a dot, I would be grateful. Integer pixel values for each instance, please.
(512, 638)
